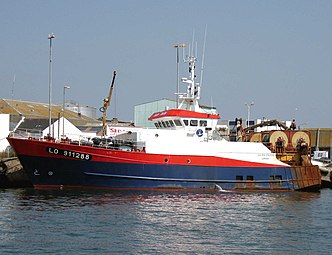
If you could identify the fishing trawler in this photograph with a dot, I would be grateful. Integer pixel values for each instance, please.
(186, 150)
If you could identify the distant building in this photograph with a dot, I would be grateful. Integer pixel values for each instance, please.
(80, 109)
(18, 108)
(143, 111)
(32, 127)
(321, 139)
(4, 131)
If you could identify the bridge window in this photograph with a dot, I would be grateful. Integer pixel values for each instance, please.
(178, 123)
(194, 123)
(156, 124)
(163, 123)
(185, 122)
(203, 123)
(171, 123)
(167, 123)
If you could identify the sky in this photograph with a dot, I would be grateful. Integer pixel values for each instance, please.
(275, 53)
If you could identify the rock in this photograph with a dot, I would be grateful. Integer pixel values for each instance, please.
(12, 174)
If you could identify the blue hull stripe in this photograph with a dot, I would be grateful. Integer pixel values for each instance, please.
(73, 173)
(177, 180)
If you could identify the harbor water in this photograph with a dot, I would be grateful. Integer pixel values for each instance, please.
(106, 222)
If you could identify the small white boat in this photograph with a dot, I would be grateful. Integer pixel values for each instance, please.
(325, 171)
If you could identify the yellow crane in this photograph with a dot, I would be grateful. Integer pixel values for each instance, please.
(107, 102)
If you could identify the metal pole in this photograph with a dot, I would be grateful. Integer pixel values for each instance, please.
(63, 110)
(248, 108)
(177, 77)
(248, 119)
(50, 37)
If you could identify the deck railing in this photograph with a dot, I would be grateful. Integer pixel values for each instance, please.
(99, 142)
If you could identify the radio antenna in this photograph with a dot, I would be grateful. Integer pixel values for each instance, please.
(13, 86)
(203, 55)
(192, 44)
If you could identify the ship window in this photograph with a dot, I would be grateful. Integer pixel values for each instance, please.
(250, 178)
(171, 123)
(156, 124)
(178, 123)
(194, 123)
(167, 123)
(203, 123)
(278, 177)
(239, 178)
(271, 177)
(185, 122)
(163, 123)
(159, 123)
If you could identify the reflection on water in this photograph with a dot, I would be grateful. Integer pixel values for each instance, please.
(103, 222)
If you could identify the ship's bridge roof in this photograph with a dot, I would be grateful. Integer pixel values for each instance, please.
(183, 114)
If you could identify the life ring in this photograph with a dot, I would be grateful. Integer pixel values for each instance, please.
(199, 132)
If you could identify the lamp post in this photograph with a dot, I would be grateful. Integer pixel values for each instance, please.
(177, 46)
(248, 107)
(63, 110)
(50, 37)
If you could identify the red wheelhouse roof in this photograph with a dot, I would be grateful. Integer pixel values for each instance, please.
(183, 114)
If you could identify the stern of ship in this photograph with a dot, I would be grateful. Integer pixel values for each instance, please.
(293, 148)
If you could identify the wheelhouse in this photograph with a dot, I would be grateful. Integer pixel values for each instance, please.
(177, 119)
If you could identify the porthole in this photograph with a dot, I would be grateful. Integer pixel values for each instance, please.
(188, 161)
(166, 160)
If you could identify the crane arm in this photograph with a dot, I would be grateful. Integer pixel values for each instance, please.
(266, 123)
(107, 102)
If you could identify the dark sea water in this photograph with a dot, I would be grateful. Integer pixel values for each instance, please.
(104, 222)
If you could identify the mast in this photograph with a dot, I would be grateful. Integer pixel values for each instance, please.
(190, 99)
